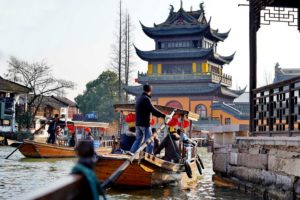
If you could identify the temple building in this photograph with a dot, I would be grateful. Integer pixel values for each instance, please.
(282, 74)
(186, 71)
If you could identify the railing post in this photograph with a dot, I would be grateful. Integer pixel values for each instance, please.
(291, 107)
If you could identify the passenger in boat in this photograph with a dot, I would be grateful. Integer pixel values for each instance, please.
(127, 139)
(88, 134)
(185, 139)
(143, 110)
(156, 140)
(171, 145)
(52, 128)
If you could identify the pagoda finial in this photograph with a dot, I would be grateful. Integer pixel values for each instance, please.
(191, 8)
(202, 6)
(171, 8)
(181, 4)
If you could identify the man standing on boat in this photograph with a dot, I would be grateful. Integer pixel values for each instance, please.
(52, 129)
(143, 111)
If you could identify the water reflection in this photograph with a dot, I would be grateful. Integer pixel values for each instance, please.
(19, 175)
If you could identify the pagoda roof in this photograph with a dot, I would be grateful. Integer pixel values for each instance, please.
(184, 23)
(200, 89)
(184, 53)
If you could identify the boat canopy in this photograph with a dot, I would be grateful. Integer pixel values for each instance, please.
(91, 124)
(128, 108)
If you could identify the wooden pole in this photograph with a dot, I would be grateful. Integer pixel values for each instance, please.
(253, 60)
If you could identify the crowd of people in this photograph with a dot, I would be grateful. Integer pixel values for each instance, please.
(132, 139)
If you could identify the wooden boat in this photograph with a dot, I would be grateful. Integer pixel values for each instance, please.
(148, 170)
(33, 149)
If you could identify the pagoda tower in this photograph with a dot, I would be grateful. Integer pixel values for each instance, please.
(185, 69)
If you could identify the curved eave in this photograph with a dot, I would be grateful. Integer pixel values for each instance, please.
(156, 32)
(223, 59)
(233, 93)
(215, 36)
(171, 54)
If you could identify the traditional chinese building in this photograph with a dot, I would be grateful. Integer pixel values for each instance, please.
(282, 74)
(185, 69)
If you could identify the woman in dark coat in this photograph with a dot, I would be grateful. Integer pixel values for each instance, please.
(171, 146)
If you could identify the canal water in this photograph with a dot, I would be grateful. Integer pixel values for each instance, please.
(19, 175)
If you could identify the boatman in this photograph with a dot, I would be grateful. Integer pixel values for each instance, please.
(143, 111)
(52, 128)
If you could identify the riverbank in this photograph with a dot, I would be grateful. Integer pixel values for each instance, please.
(265, 166)
(19, 175)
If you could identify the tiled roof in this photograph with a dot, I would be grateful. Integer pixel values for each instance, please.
(185, 23)
(9, 86)
(184, 53)
(182, 89)
(238, 110)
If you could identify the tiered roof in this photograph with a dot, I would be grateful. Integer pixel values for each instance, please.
(184, 23)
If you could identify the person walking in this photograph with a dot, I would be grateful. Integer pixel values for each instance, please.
(52, 129)
(143, 111)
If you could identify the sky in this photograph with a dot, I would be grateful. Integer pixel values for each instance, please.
(74, 36)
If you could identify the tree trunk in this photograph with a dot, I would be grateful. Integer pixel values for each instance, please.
(120, 51)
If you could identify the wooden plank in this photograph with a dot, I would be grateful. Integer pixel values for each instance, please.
(68, 188)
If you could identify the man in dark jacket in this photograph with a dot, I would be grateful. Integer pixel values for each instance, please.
(52, 128)
(143, 111)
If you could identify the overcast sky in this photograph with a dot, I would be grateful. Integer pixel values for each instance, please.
(75, 36)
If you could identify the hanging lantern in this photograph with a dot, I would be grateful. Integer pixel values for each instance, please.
(130, 119)
(71, 128)
(152, 121)
(173, 122)
(103, 129)
(186, 124)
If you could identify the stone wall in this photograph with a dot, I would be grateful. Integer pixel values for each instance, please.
(268, 167)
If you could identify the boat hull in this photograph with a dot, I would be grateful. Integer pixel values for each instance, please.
(142, 173)
(32, 149)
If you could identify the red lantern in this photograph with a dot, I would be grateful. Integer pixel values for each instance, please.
(71, 128)
(130, 118)
(173, 122)
(186, 124)
(103, 129)
(152, 121)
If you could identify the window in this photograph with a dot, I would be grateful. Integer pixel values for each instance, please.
(201, 110)
(227, 121)
(177, 69)
(207, 44)
(175, 44)
(174, 104)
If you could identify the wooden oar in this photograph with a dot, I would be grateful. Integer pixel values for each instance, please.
(23, 142)
(114, 176)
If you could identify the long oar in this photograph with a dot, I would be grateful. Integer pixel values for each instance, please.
(114, 176)
(23, 142)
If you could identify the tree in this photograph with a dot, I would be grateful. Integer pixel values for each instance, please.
(121, 56)
(38, 77)
(100, 95)
(128, 46)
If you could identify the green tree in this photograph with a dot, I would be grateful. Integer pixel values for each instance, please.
(99, 96)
